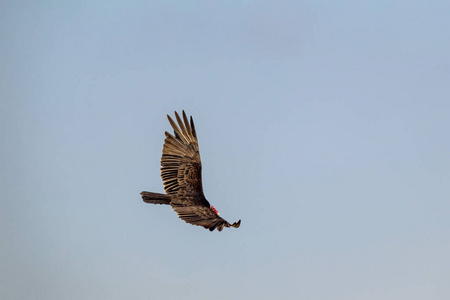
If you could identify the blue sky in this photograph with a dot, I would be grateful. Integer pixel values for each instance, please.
(322, 125)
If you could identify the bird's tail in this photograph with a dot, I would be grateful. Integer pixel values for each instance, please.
(155, 198)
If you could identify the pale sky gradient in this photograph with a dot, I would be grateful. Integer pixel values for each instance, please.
(323, 125)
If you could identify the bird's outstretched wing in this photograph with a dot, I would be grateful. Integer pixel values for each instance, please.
(200, 215)
(181, 167)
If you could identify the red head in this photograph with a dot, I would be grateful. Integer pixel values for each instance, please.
(214, 210)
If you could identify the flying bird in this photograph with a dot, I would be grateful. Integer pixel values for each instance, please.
(181, 172)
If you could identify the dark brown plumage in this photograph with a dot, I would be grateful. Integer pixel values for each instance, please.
(181, 172)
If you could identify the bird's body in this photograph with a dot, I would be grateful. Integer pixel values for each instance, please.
(181, 172)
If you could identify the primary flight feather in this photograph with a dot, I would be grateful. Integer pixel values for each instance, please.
(181, 172)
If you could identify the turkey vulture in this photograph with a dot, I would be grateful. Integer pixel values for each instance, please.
(181, 172)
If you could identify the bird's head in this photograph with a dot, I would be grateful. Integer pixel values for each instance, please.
(214, 210)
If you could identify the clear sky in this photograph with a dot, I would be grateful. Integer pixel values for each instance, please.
(323, 125)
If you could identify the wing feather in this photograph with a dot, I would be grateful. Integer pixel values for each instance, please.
(194, 133)
(187, 127)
